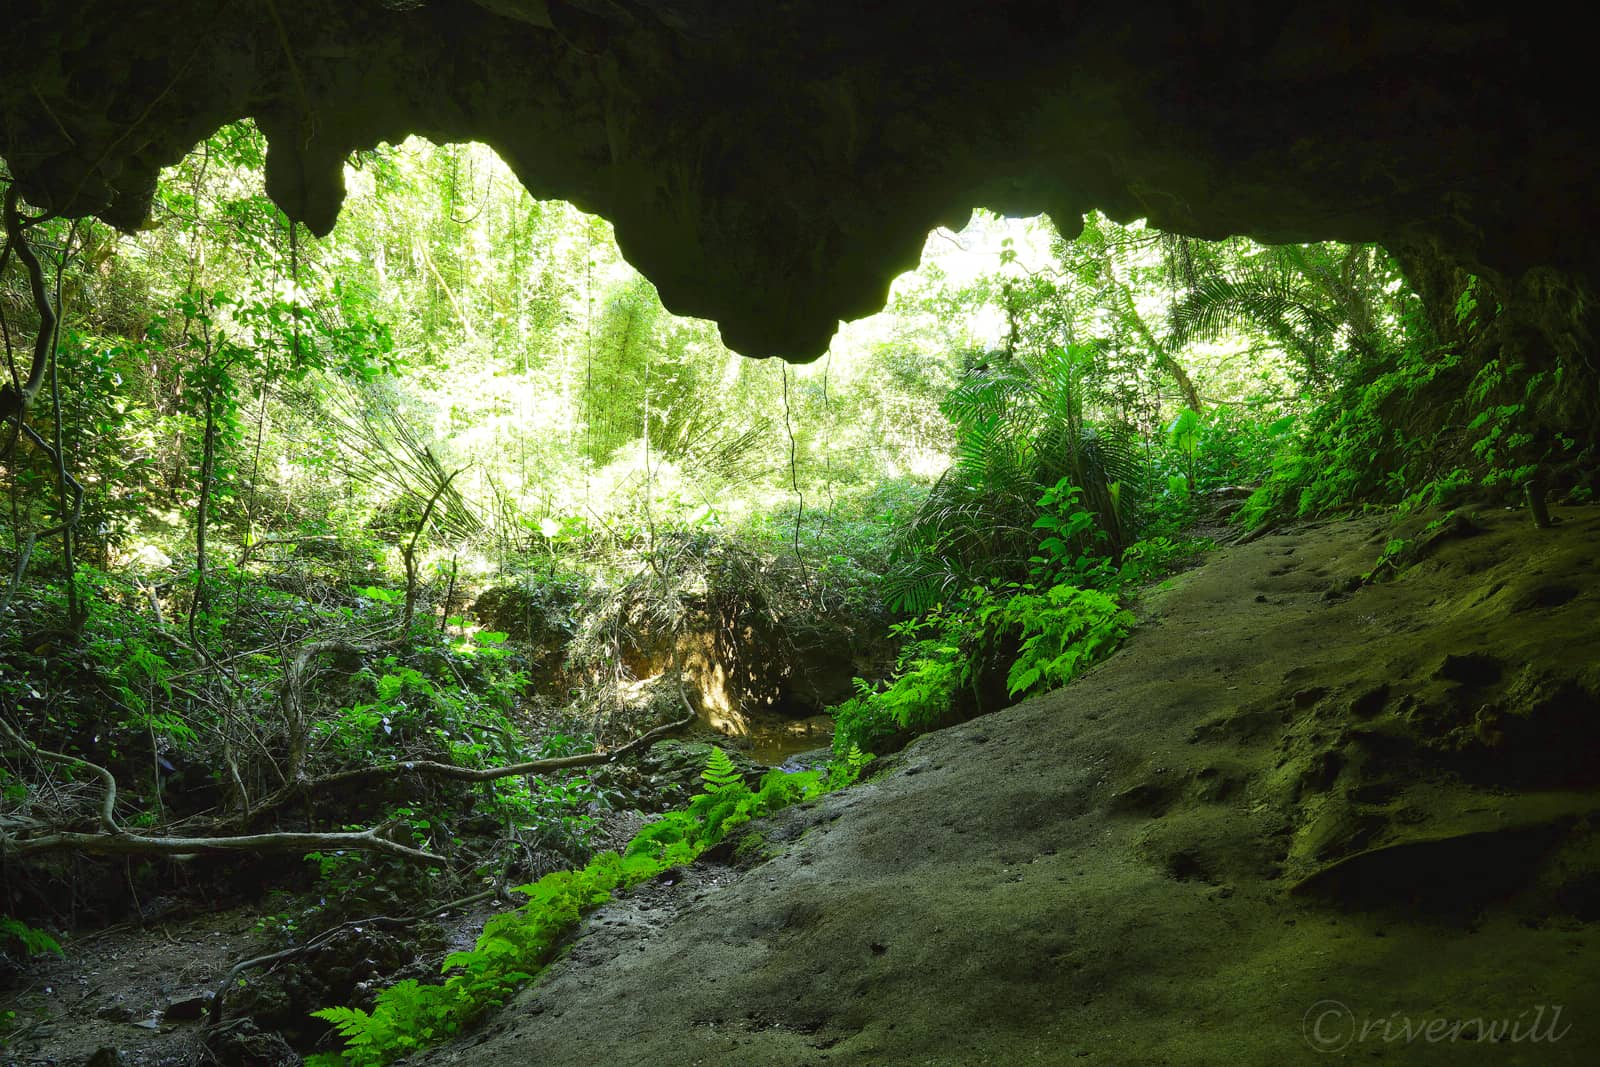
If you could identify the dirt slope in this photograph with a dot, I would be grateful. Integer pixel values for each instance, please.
(1289, 820)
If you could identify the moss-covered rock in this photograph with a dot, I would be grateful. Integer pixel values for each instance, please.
(1251, 808)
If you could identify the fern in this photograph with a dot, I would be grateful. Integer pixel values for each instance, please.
(1060, 632)
(1391, 441)
(515, 945)
(1290, 293)
(720, 773)
(1065, 630)
(34, 941)
(1019, 431)
(952, 648)
(845, 769)
(863, 723)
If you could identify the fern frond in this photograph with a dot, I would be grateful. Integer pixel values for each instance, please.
(919, 583)
(353, 1024)
(720, 773)
(988, 395)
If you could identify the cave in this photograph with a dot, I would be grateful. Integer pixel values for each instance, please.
(1348, 759)
(772, 168)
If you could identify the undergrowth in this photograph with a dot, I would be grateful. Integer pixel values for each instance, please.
(31, 941)
(516, 945)
(1041, 634)
(1388, 441)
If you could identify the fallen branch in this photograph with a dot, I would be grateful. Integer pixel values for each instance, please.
(291, 694)
(112, 841)
(454, 772)
(120, 844)
(292, 701)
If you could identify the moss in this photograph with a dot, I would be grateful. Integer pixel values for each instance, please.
(751, 849)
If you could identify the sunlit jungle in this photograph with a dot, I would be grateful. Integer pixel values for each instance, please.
(652, 532)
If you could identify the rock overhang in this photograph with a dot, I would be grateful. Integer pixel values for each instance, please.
(773, 167)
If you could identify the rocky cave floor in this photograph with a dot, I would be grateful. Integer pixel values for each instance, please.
(1296, 818)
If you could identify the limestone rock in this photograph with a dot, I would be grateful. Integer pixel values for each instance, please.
(774, 166)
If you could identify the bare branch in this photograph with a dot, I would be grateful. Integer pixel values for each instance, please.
(453, 772)
(410, 550)
(119, 844)
(214, 1013)
(108, 822)
(291, 695)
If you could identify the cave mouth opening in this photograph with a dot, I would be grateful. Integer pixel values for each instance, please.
(467, 393)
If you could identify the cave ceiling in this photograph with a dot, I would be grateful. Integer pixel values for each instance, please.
(773, 166)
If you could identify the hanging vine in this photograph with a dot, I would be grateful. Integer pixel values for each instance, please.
(794, 479)
(18, 396)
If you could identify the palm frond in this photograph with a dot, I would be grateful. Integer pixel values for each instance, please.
(989, 394)
(1289, 305)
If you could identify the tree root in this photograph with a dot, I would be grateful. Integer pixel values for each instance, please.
(108, 806)
(113, 841)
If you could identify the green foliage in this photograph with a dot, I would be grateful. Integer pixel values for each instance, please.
(1027, 458)
(1422, 432)
(1323, 304)
(1239, 444)
(515, 945)
(1075, 546)
(1467, 302)
(846, 768)
(942, 656)
(720, 771)
(31, 940)
(1183, 435)
(1155, 556)
(1389, 559)
(140, 677)
(865, 722)
(1056, 633)
(1043, 632)
(1504, 444)
(1358, 447)
(1064, 630)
